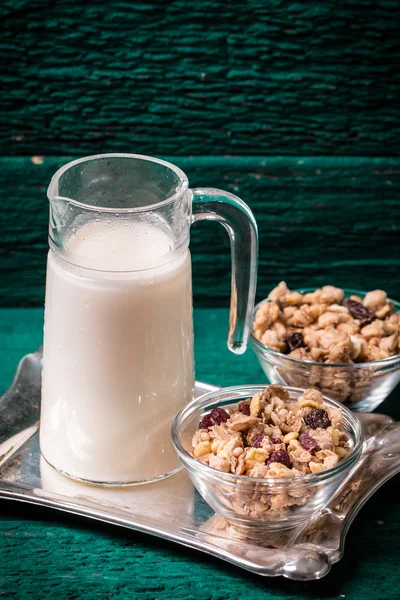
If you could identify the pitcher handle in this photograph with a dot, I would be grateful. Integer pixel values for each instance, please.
(239, 222)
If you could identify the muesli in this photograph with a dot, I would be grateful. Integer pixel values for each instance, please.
(323, 326)
(272, 436)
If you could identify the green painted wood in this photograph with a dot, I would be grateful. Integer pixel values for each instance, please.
(45, 554)
(321, 219)
(209, 77)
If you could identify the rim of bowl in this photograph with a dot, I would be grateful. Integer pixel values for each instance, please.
(348, 291)
(222, 477)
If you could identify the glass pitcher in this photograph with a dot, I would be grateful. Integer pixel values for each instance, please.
(118, 336)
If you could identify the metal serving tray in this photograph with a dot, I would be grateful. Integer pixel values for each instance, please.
(172, 509)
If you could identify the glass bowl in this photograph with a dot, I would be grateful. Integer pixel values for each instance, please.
(363, 386)
(246, 501)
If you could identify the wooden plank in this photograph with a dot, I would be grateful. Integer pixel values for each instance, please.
(209, 77)
(320, 220)
(45, 554)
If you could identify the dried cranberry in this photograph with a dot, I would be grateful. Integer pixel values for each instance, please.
(276, 440)
(308, 442)
(280, 456)
(257, 441)
(317, 418)
(244, 407)
(215, 417)
(359, 311)
(219, 415)
(207, 421)
(295, 340)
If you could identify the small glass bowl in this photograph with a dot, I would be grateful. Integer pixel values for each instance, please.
(363, 386)
(246, 501)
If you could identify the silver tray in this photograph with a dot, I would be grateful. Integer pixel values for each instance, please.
(172, 509)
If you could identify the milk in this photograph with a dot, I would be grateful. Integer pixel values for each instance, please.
(118, 352)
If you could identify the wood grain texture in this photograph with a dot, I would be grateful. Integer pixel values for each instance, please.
(45, 554)
(211, 77)
(320, 219)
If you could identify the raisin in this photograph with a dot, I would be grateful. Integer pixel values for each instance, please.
(308, 442)
(244, 407)
(295, 340)
(215, 417)
(317, 418)
(276, 440)
(219, 415)
(257, 441)
(359, 311)
(280, 456)
(206, 422)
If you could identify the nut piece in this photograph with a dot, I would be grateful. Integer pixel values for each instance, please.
(329, 458)
(335, 417)
(312, 396)
(341, 452)
(279, 292)
(316, 467)
(292, 435)
(257, 404)
(271, 339)
(375, 300)
(328, 319)
(202, 448)
(389, 344)
(331, 295)
(292, 299)
(340, 353)
(267, 314)
(385, 310)
(375, 329)
(254, 456)
(279, 470)
(201, 435)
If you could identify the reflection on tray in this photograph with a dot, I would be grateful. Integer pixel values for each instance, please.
(171, 508)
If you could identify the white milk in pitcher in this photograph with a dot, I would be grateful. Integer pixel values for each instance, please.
(118, 353)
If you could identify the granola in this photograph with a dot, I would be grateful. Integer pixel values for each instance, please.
(326, 329)
(279, 438)
(323, 326)
(271, 436)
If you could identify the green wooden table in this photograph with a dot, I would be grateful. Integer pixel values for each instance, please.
(46, 554)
